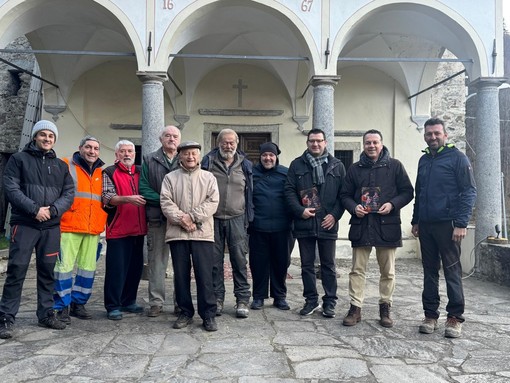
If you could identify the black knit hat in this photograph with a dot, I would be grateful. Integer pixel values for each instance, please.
(269, 147)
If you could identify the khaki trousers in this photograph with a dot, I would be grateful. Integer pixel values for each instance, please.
(386, 261)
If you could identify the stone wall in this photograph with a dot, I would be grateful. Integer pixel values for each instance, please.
(494, 263)
(14, 89)
(448, 101)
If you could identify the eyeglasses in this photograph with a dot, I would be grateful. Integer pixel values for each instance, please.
(315, 141)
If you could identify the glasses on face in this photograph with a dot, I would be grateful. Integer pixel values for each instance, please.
(315, 141)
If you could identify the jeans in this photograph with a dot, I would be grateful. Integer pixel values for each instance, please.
(233, 232)
(438, 247)
(328, 269)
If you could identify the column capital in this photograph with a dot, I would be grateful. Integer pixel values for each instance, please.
(144, 76)
(482, 82)
(324, 80)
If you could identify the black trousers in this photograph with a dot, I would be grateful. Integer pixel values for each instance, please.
(437, 247)
(47, 246)
(124, 266)
(328, 269)
(201, 253)
(269, 261)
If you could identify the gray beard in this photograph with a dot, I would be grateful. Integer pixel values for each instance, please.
(226, 155)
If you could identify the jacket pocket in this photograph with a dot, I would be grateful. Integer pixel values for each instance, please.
(390, 228)
(355, 231)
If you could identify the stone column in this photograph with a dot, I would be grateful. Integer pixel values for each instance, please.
(487, 164)
(153, 109)
(324, 107)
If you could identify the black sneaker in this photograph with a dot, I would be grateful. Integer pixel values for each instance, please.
(6, 328)
(63, 315)
(210, 324)
(79, 311)
(309, 308)
(281, 304)
(257, 304)
(328, 310)
(51, 321)
(182, 321)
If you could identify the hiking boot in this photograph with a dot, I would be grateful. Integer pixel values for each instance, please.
(242, 310)
(63, 315)
(428, 325)
(134, 309)
(328, 310)
(281, 304)
(154, 311)
(79, 311)
(219, 308)
(6, 328)
(51, 321)
(114, 315)
(210, 324)
(353, 316)
(453, 327)
(182, 321)
(309, 308)
(384, 313)
(257, 304)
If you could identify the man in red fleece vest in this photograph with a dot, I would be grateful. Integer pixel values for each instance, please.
(125, 228)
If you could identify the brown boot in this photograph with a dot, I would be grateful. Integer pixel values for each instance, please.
(353, 316)
(384, 312)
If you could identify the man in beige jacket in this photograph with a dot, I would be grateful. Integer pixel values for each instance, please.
(189, 198)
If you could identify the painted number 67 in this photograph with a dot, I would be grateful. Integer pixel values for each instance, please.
(306, 5)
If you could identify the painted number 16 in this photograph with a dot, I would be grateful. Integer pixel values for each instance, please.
(168, 4)
(306, 5)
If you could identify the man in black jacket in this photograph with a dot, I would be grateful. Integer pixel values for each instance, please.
(312, 192)
(375, 189)
(40, 189)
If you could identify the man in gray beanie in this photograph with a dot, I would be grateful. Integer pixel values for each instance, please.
(45, 125)
(40, 189)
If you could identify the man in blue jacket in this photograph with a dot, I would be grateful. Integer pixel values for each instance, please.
(445, 196)
(40, 189)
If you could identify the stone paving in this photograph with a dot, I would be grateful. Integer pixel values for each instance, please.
(271, 345)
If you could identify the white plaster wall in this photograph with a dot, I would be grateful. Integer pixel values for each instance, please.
(108, 94)
(264, 92)
(366, 98)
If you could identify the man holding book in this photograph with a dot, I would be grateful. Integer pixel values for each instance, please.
(375, 189)
(312, 191)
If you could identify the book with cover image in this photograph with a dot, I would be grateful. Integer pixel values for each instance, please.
(371, 198)
(310, 198)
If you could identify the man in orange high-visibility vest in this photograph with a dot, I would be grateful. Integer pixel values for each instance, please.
(80, 227)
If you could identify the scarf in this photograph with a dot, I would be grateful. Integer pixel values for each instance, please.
(316, 164)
